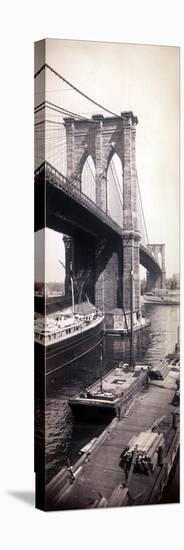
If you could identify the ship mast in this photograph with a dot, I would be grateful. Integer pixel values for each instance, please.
(72, 285)
(73, 302)
(131, 361)
(130, 331)
(101, 363)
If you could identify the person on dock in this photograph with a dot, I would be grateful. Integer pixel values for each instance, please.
(118, 412)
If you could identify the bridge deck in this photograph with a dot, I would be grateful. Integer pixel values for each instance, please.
(53, 177)
(67, 207)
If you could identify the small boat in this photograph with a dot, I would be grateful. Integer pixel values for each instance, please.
(161, 297)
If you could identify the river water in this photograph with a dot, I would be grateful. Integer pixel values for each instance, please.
(64, 434)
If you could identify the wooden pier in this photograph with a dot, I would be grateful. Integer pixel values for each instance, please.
(98, 480)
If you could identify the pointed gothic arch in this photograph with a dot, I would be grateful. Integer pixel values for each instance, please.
(115, 187)
(88, 181)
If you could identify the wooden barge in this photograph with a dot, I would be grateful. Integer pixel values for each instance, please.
(112, 394)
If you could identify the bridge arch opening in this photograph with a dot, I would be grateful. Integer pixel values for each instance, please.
(115, 189)
(88, 181)
(160, 259)
(143, 279)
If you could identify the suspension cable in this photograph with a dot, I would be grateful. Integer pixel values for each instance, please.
(48, 104)
(46, 66)
(117, 179)
(117, 188)
(142, 208)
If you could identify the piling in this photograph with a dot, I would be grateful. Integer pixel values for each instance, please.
(160, 455)
(174, 420)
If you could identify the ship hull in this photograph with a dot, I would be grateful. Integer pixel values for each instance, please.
(64, 353)
(166, 299)
(163, 302)
(123, 332)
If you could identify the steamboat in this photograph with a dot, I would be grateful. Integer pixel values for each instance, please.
(66, 336)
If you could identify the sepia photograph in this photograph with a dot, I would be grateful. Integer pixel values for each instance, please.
(107, 274)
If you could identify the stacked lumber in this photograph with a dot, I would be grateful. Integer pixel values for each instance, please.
(144, 449)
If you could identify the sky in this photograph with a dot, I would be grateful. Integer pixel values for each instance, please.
(122, 77)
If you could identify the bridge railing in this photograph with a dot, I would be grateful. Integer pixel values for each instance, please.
(54, 177)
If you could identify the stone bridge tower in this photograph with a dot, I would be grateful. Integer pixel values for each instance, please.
(101, 137)
(158, 251)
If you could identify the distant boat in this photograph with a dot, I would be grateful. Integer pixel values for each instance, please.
(162, 297)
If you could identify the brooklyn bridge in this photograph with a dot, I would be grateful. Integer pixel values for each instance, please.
(87, 188)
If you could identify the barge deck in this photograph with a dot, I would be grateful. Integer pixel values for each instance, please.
(111, 394)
